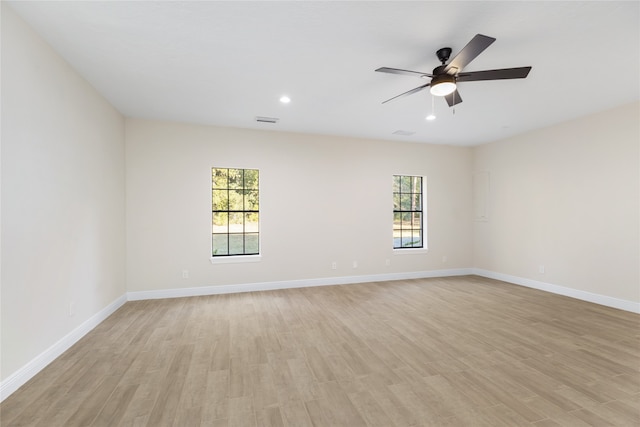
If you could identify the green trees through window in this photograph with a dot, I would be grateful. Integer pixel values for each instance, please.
(235, 211)
(407, 212)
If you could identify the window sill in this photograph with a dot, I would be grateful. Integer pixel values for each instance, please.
(410, 251)
(235, 259)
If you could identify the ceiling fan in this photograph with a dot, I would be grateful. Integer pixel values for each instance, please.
(444, 78)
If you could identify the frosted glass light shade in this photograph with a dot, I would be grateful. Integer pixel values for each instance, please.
(443, 85)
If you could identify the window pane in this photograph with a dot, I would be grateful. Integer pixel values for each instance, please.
(416, 220)
(417, 202)
(219, 178)
(396, 201)
(405, 202)
(251, 179)
(417, 184)
(405, 184)
(407, 239)
(236, 222)
(397, 221)
(219, 244)
(235, 178)
(236, 244)
(406, 219)
(251, 222)
(220, 200)
(251, 200)
(236, 200)
(219, 222)
(396, 183)
(418, 236)
(411, 238)
(251, 243)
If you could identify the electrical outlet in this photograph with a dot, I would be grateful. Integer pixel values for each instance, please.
(387, 262)
(541, 268)
(185, 274)
(355, 264)
(444, 259)
(334, 265)
(72, 309)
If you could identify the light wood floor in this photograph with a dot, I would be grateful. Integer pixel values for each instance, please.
(462, 351)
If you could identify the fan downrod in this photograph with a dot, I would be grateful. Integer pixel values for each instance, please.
(444, 54)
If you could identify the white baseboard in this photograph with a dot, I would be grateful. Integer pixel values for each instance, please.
(289, 284)
(620, 304)
(28, 371)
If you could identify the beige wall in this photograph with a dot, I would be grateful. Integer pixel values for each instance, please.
(62, 197)
(323, 199)
(566, 197)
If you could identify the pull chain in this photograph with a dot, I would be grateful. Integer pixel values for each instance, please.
(433, 106)
(454, 102)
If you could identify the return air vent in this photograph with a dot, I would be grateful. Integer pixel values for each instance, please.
(403, 132)
(266, 119)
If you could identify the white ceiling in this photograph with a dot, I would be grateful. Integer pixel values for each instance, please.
(223, 63)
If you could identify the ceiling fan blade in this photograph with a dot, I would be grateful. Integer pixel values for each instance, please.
(501, 74)
(453, 98)
(468, 53)
(402, 72)
(412, 91)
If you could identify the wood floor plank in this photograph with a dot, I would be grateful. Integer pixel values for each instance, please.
(241, 412)
(239, 378)
(141, 405)
(216, 398)
(318, 365)
(115, 406)
(93, 404)
(294, 414)
(262, 386)
(269, 417)
(304, 380)
(370, 410)
(391, 404)
(440, 352)
(338, 408)
(166, 405)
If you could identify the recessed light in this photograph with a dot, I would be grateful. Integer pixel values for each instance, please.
(430, 117)
(285, 99)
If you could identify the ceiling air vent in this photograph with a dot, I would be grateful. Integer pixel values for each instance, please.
(403, 132)
(266, 119)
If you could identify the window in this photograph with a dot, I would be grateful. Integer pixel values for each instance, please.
(235, 212)
(407, 212)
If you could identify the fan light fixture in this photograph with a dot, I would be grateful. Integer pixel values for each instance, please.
(443, 85)
(443, 78)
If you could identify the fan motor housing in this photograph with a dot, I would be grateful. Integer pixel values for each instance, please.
(444, 54)
(442, 78)
(439, 70)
